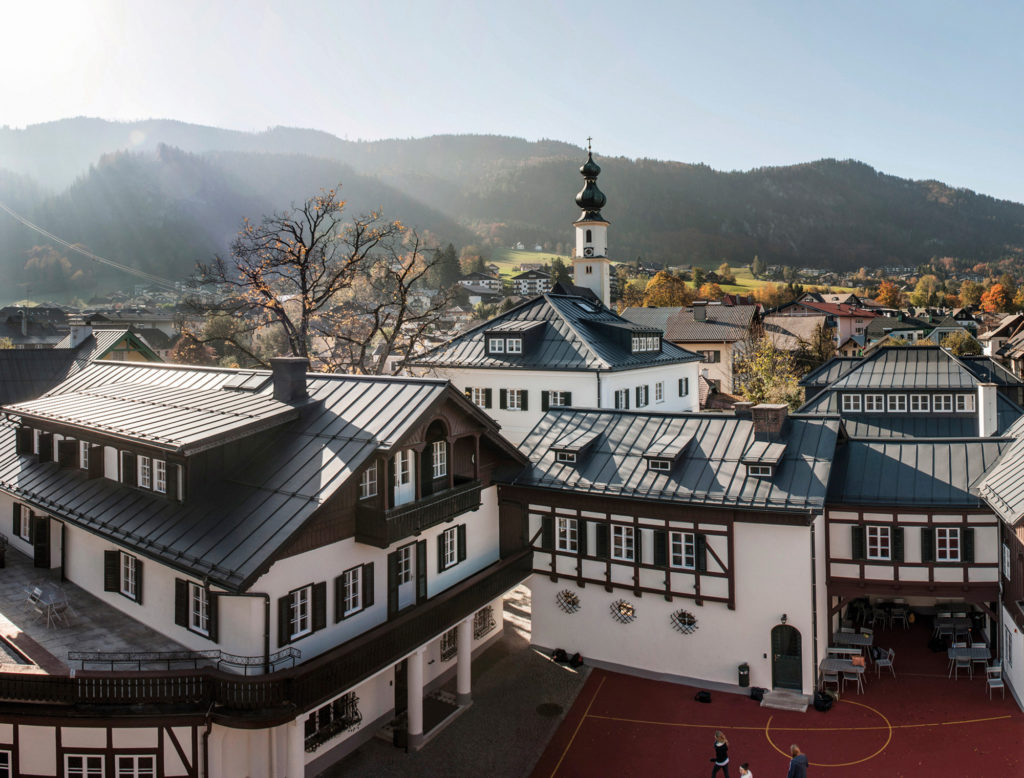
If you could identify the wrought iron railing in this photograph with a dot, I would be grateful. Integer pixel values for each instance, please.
(378, 527)
(170, 660)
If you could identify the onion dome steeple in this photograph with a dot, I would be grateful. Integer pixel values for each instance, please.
(590, 198)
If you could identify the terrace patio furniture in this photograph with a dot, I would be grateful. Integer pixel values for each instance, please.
(831, 677)
(879, 616)
(994, 680)
(886, 660)
(851, 675)
(899, 614)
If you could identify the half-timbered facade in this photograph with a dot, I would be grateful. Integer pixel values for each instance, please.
(331, 545)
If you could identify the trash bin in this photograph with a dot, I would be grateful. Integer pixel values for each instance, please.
(744, 674)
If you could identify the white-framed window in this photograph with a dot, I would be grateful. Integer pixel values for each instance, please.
(646, 343)
(300, 612)
(198, 609)
(514, 400)
(160, 476)
(129, 576)
(144, 472)
(6, 768)
(965, 403)
(353, 589)
(569, 457)
(403, 468)
(684, 387)
(439, 458)
(405, 563)
(558, 399)
(759, 471)
(897, 403)
(497, 345)
(514, 346)
(682, 550)
(567, 535)
(450, 547)
(947, 544)
(1006, 562)
(878, 541)
(642, 394)
(368, 482)
(478, 396)
(943, 403)
(851, 403)
(83, 766)
(920, 403)
(874, 403)
(663, 465)
(710, 355)
(622, 399)
(135, 766)
(83, 462)
(622, 543)
(659, 392)
(24, 523)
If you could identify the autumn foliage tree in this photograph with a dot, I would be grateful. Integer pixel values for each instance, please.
(189, 350)
(889, 295)
(766, 374)
(995, 299)
(961, 343)
(710, 292)
(666, 289)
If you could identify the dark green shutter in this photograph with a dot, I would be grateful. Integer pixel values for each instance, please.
(857, 541)
(581, 527)
(95, 461)
(41, 541)
(487, 398)
(638, 548)
(638, 397)
(661, 548)
(45, 446)
(544, 400)
(421, 570)
(128, 465)
(25, 440)
(440, 552)
(213, 615)
(181, 603)
(603, 531)
(319, 605)
(111, 571)
(524, 400)
(566, 398)
(927, 544)
(67, 452)
(547, 533)
(172, 481)
(392, 583)
(284, 620)
(460, 533)
(701, 549)
(967, 544)
(138, 580)
(503, 399)
(897, 544)
(368, 584)
(681, 392)
(340, 595)
(16, 524)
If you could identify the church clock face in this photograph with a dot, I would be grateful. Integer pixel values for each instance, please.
(588, 252)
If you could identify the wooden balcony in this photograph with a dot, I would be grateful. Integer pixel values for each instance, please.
(380, 528)
(271, 699)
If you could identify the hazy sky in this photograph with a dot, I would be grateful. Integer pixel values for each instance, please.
(918, 89)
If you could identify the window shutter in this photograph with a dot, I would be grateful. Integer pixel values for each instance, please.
(701, 549)
(544, 400)
(857, 541)
(16, 525)
(31, 528)
(638, 548)
(41, 541)
(213, 615)
(927, 544)
(461, 533)
(625, 400)
(524, 400)
(440, 552)
(67, 452)
(46, 447)
(340, 595)
(128, 465)
(171, 475)
(111, 571)
(582, 535)
(681, 392)
(392, 583)
(897, 544)
(138, 580)
(421, 570)
(95, 461)
(547, 533)
(967, 544)
(503, 399)
(487, 398)
(603, 531)
(638, 397)
(566, 398)
(284, 620)
(25, 440)
(367, 579)
(181, 603)
(618, 403)
(319, 605)
(661, 548)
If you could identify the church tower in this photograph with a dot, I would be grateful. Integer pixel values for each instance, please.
(590, 265)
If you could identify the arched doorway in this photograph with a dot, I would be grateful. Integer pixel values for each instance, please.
(787, 660)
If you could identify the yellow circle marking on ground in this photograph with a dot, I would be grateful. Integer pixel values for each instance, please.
(885, 745)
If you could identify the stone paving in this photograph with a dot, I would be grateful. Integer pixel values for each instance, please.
(519, 699)
(95, 627)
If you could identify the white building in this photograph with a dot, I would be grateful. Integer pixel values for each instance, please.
(531, 282)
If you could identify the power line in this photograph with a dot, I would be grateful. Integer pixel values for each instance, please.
(85, 253)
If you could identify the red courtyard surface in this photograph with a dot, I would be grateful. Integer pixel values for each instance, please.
(921, 723)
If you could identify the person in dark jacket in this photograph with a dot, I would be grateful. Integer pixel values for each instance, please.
(721, 757)
(798, 764)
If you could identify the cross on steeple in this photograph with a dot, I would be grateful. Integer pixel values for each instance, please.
(588, 143)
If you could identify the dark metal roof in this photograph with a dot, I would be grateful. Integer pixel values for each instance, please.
(831, 371)
(232, 532)
(924, 473)
(987, 370)
(908, 367)
(1002, 486)
(576, 338)
(708, 473)
(763, 452)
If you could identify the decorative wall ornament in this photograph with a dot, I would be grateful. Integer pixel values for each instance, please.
(683, 622)
(568, 601)
(623, 612)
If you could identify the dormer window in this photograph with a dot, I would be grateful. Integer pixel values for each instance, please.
(569, 457)
(497, 346)
(514, 345)
(759, 471)
(664, 465)
(646, 343)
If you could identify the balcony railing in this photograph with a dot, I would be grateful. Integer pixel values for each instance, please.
(380, 528)
(273, 698)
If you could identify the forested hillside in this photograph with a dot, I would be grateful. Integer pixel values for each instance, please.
(161, 195)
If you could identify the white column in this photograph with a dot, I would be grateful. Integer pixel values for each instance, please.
(414, 706)
(464, 644)
(297, 749)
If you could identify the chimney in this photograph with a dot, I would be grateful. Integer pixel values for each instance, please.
(700, 311)
(742, 410)
(769, 419)
(79, 333)
(24, 323)
(988, 421)
(289, 378)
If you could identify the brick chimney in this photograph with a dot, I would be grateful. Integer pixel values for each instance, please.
(289, 378)
(769, 419)
(742, 410)
(700, 311)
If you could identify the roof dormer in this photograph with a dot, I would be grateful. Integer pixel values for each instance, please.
(571, 448)
(513, 338)
(663, 452)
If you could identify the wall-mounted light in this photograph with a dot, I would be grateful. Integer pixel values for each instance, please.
(783, 618)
